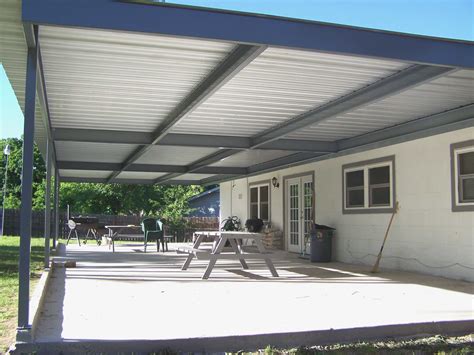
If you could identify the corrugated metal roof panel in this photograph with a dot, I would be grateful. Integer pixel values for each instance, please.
(116, 80)
(279, 85)
(195, 177)
(93, 152)
(13, 54)
(139, 175)
(447, 92)
(248, 158)
(84, 173)
(174, 155)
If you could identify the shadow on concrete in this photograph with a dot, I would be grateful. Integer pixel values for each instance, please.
(129, 266)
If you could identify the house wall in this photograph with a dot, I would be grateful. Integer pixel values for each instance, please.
(426, 236)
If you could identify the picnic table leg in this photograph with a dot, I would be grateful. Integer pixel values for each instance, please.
(268, 261)
(113, 241)
(190, 257)
(238, 250)
(212, 261)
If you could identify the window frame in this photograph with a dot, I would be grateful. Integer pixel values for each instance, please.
(456, 150)
(365, 166)
(258, 185)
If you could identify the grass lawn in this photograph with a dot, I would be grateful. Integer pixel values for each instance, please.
(439, 345)
(9, 283)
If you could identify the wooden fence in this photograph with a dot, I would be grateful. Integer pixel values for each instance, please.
(190, 225)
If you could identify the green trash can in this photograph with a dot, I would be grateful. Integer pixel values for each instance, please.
(321, 243)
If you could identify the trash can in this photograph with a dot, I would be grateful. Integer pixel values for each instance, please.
(321, 243)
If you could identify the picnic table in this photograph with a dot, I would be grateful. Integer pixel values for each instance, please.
(216, 252)
(114, 231)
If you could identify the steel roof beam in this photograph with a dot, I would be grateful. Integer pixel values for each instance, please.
(187, 140)
(230, 66)
(403, 80)
(238, 27)
(147, 168)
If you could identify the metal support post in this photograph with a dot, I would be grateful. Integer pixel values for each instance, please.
(56, 207)
(27, 188)
(5, 182)
(47, 205)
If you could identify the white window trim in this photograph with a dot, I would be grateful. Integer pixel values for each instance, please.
(258, 185)
(457, 175)
(366, 166)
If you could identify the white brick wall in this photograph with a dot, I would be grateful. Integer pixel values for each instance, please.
(425, 228)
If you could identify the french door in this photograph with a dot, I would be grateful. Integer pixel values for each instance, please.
(299, 212)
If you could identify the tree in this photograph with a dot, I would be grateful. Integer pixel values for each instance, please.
(15, 163)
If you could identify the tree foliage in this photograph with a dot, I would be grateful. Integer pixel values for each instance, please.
(15, 162)
(168, 202)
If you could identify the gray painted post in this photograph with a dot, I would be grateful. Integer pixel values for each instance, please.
(27, 188)
(47, 205)
(56, 207)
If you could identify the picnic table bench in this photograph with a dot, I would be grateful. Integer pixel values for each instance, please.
(214, 253)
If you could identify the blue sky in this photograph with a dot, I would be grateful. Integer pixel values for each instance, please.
(11, 117)
(439, 18)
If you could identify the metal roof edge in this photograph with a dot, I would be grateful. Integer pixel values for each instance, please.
(293, 19)
(253, 29)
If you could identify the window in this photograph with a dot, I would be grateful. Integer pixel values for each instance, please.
(369, 186)
(260, 201)
(355, 188)
(462, 176)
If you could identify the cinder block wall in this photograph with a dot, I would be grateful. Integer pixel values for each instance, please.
(426, 235)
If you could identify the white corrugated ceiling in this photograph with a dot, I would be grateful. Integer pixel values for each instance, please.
(252, 157)
(13, 53)
(100, 174)
(117, 80)
(447, 92)
(193, 177)
(93, 152)
(279, 85)
(139, 175)
(173, 155)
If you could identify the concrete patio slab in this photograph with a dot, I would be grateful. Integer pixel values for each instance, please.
(146, 301)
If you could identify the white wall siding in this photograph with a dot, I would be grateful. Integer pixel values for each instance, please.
(425, 231)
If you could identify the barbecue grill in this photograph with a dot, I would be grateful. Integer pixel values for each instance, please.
(87, 225)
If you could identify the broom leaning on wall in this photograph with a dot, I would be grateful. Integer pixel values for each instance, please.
(375, 268)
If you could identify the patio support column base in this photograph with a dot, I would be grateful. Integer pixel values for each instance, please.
(24, 335)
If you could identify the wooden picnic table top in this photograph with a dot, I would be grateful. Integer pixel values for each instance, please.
(122, 226)
(230, 234)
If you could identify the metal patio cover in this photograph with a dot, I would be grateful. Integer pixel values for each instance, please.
(141, 92)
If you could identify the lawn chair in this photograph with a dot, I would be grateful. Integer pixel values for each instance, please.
(152, 230)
